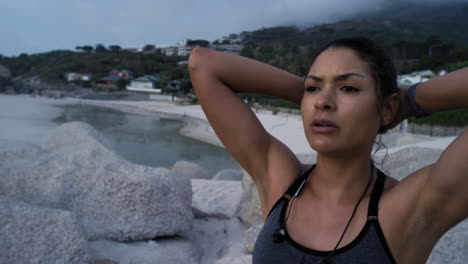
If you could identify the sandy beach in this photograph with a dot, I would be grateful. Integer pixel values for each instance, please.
(287, 128)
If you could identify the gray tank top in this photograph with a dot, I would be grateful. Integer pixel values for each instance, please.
(368, 247)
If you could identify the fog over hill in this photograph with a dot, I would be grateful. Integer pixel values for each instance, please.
(32, 26)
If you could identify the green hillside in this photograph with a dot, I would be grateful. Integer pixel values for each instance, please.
(418, 37)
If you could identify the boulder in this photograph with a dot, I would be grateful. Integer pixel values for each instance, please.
(190, 169)
(250, 236)
(13, 155)
(250, 211)
(167, 250)
(219, 199)
(212, 235)
(32, 234)
(229, 175)
(451, 248)
(408, 160)
(112, 198)
(235, 259)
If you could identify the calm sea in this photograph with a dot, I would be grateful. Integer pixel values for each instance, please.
(140, 139)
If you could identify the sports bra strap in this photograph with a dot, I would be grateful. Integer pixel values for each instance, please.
(373, 211)
(298, 184)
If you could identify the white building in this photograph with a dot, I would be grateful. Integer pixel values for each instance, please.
(415, 77)
(184, 50)
(229, 48)
(145, 84)
(183, 42)
(170, 51)
(77, 76)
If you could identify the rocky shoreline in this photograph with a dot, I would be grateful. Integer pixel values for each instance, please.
(73, 200)
(79, 202)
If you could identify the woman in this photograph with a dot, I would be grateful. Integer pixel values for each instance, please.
(340, 210)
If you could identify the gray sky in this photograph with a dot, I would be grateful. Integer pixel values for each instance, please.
(34, 26)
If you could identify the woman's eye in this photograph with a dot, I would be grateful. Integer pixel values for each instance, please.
(311, 88)
(350, 89)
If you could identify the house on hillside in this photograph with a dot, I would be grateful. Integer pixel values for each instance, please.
(170, 51)
(109, 80)
(78, 76)
(114, 76)
(123, 74)
(4, 72)
(228, 48)
(147, 84)
(184, 50)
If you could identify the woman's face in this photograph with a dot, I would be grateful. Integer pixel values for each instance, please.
(339, 107)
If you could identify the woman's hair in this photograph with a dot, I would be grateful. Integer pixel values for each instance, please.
(380, 65)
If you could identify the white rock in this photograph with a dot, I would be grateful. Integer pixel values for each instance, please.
(215, 198)
(238, 259)
(190, 169)
(33, 234)
(112, 198)
(250, 212)
(250, 236)
(168, 250)
(229, 175)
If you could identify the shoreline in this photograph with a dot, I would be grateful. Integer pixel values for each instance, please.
(195, 127)
(288, 128)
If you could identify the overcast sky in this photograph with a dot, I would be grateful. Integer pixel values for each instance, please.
(34, 26)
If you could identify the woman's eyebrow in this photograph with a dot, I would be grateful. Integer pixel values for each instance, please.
(340, 77)
(345, 76)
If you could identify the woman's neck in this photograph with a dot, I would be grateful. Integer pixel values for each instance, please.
(340, 179)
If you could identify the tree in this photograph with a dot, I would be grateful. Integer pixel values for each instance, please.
(247, 52)
(149, 47)
(87, 48)
(114, 48)
(100, 48)
(164, 78)
(121, 84)
(186, 85)
(198, 42)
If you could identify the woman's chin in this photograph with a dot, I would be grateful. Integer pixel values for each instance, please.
(332, 147)
(324, 147)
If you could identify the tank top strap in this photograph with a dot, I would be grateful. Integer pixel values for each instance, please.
(377, 191)
(296, 187)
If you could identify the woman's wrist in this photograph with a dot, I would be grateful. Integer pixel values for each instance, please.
(413, 107)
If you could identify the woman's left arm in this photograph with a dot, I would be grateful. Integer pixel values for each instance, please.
(444, 196)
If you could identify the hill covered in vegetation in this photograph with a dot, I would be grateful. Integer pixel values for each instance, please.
(418, 37)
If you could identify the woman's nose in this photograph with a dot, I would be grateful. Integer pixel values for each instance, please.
(326, 100)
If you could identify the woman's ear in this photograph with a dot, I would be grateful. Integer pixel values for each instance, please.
(390, 108)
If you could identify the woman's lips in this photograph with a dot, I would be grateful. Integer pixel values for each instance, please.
(324, 129)
(324, 126)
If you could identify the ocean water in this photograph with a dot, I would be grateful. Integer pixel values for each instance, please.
(26, 119)
(145, 140)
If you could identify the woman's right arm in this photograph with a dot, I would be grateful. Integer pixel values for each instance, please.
(217, 77)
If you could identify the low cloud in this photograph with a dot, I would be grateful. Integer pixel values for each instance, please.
(35, 26)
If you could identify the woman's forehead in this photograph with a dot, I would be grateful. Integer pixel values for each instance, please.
(338, 61)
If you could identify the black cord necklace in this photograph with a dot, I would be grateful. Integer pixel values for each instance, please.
(327, 259)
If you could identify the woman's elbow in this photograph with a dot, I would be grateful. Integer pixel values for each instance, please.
(196, 59)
